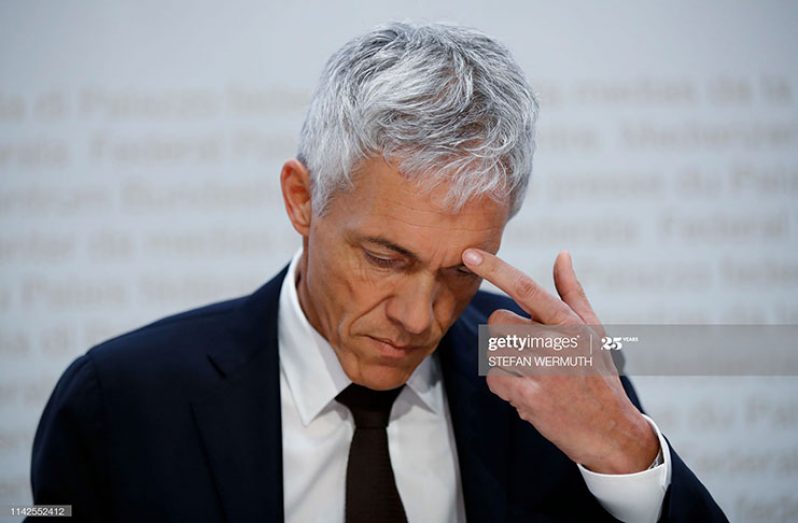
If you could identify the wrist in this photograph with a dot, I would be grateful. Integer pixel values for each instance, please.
(633, 448)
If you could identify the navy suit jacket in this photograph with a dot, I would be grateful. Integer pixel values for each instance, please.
(180, 421)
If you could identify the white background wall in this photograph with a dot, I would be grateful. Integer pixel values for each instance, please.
(140, 146)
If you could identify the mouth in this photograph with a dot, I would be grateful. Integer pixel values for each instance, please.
(392, 351)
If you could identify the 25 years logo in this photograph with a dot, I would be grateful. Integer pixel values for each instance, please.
(616, 343)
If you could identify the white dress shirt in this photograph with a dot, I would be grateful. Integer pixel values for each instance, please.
(317, 432)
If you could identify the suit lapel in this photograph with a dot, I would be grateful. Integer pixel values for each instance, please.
(240, 421)
(481, 426)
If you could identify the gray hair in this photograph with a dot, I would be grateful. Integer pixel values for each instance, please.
(444, 103)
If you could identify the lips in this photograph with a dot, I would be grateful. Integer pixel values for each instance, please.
(391, 350)
(394, 345)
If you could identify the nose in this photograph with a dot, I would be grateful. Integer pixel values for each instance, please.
(412, 305)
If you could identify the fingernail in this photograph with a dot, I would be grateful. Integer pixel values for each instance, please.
(472, 257)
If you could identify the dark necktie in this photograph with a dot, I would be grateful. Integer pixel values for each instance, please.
(371, 494)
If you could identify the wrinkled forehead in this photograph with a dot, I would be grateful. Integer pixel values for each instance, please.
(383, 203)
(375, 179)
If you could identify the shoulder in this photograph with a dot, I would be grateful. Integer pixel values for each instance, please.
(165, 360)
(188, 353)
(176, 336)
(233, 330)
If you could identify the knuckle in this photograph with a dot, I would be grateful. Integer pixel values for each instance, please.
(526, 288)
(562, 317)
(503, 316)
(526, 415)
(528, 394)
(494, 382)
(496, 316)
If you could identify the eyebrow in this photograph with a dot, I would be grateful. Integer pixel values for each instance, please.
(388, 244)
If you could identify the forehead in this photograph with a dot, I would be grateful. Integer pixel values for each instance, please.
(384, 202)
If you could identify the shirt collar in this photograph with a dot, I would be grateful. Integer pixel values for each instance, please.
(311, 368)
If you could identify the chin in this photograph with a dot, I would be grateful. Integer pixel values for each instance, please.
(380, 377)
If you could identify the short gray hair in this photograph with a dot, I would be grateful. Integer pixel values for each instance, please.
(445, 103)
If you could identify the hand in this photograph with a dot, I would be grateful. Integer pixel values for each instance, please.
(588, 417)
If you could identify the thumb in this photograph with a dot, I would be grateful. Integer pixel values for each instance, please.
(570, 290)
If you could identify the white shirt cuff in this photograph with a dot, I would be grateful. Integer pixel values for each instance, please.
(636, 497)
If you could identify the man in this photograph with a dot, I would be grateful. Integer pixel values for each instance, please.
(415, 153)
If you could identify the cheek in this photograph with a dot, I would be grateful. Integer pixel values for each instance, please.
(457, 297)
(352, 294)
(366, 307)
(331, 283)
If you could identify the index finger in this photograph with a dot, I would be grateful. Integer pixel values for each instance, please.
(524, 290)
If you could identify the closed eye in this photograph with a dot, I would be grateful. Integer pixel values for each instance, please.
(380, 261)
(464, 271)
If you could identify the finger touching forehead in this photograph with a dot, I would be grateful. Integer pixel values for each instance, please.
(386, 209)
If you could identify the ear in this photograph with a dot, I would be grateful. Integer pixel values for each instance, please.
(295, 184)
